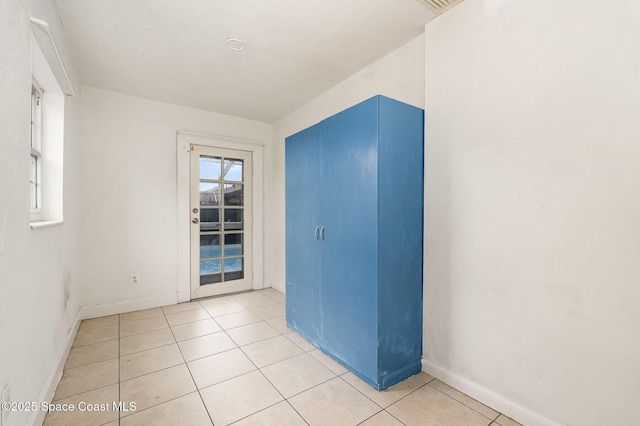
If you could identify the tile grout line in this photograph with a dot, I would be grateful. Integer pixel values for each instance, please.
(303, 391)
(284, 399)
(256, 366)
(391, 414)
(273, 363)
(250, 360)
(406, 396)
(162, 369)
(381, 411)
(65, 368)
(206, 409)
(457, 400)
(148, 349)
(395, 402)
(297, 412)
(361, 393)
(492, 422)
(119, 345)
(323, 382)
(279, 332)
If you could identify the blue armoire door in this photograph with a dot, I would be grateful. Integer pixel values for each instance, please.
(354, 191)
(350, 246)
(303, 267)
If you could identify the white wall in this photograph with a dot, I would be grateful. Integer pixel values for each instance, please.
(399, 75)
(532, 285)
(39, 282)
(129, 198)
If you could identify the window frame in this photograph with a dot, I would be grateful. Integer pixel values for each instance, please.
(35, 165)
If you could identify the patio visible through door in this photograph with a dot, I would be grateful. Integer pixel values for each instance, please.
(221, 221)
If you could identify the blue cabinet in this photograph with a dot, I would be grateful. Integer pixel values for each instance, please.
(354, 214)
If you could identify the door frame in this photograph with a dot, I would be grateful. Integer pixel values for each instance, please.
(184, 141)
(226, 284)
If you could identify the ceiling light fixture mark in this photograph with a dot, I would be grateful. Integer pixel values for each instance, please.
(235, 44)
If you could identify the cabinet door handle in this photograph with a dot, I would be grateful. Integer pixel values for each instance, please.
(316, 233)
(322, 233)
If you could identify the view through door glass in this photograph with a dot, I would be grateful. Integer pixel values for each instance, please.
(221, 242)
(221, 215)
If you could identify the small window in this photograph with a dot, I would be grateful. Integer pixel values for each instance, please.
(46, 153)
(35, 179)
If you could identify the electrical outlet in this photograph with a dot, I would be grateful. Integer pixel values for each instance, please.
(135, 279)
(5, 398)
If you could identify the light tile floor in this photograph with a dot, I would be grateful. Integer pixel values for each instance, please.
(233, 360)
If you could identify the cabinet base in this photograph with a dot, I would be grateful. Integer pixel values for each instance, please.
(395, 377)
(385, 379)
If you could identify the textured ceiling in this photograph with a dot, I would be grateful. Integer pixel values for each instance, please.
(174, 51)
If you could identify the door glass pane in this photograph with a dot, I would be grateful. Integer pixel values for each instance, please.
(210, 267)
(210, 246)
(221, 186)
(233, 195)
(233, 264)
(209, 220)
(210, 167)
(209, 194)
(232, 219)
(210, 271)
(233, 269)
(233, 169)
(233, 245)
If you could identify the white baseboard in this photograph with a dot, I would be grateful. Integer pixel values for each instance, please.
(49, 388)
(86, 312)
(127, 306)
(497, 402)
(281, 289)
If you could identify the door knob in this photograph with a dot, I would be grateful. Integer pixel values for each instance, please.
(195, 220)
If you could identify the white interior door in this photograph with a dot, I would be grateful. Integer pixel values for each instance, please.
(221, 221)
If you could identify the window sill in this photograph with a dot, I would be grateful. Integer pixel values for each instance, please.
(45, 224)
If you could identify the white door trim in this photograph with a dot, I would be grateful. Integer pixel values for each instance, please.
(183, 162)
